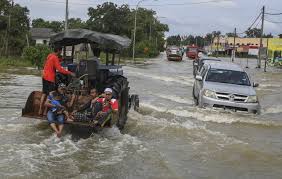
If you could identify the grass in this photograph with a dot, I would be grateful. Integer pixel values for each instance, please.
(14, 62)
(17, 65)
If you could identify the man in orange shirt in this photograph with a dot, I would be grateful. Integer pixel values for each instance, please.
(52, 64)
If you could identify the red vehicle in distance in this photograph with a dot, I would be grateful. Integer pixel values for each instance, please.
(192, 51)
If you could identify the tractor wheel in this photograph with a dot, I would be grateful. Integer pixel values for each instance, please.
(120, 92)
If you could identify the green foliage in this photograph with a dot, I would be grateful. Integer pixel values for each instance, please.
(56, 26)
(189, 40)
(107, 17)
(231, 34)
(15, 36)
(256, 33)
(111, 18)
(14, 62)
(76, 23)
(174, 40)
(36, 55)
(146, 49)
(253, 33)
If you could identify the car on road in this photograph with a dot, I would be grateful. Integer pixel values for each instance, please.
(192, 52)
(174, 53)
(225, 85)
(198, 64)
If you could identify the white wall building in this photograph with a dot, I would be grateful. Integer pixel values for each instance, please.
(41, 35)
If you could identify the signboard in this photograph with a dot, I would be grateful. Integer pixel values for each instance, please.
(253, 51)
(263, 52)
(275, 44)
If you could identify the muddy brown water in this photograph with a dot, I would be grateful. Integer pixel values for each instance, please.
(169, 138)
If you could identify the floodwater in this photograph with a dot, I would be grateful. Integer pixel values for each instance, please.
(168, 138)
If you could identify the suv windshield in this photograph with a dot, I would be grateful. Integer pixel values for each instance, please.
(228, 76)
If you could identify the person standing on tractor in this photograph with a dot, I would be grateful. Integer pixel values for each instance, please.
(52, 64)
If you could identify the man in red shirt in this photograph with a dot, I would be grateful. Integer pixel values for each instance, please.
(104, 107)
(52, 64)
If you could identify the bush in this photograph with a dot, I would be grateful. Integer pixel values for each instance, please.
(36, 54)
(146, 49)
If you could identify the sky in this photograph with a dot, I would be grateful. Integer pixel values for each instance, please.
(184, 17)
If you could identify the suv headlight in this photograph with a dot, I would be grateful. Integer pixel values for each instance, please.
(209, 93)
(252, 99)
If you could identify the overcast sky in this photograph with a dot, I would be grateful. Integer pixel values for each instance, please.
(183, 16)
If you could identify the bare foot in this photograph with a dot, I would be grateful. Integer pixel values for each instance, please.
(58, 134)
(70, 120)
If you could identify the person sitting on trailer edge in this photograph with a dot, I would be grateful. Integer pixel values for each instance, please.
(55, 114)
(52, 64)
(104, 107)
(85, 111)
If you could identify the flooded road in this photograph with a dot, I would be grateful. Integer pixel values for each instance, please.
(168, 138)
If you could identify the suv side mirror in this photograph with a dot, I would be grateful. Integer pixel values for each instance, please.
(199, 78)
(255, 85)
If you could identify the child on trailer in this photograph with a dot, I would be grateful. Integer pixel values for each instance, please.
(57, 108)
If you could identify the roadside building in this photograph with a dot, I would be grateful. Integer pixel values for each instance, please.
(275, 49)
(219, 44)
(41, 35)
(242, 45)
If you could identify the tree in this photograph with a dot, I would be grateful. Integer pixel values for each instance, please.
(253, 33)
(216, 33)
(231, 34)
(268, 35)
(209, 38)
(76, 23)
(39, 23)
(109, 18)
(13, 39)
(56, 26)
(174, 40)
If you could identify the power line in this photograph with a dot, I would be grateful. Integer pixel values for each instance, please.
(240, 33)
(255, 21)
(275, 22)
(273, 14)
(257, 24)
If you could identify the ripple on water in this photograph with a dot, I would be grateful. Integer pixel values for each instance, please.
(217, 116)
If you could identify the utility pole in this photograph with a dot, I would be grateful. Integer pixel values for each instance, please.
(261, 35)
(150, 35)
(234, 47)
(27, 40)
(8, 30)
(67, 14)
(217, 46)
(212, 40)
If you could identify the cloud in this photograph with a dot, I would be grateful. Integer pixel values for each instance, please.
(182, 19)
(224, 4)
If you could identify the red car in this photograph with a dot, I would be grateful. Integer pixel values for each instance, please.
(192, 51)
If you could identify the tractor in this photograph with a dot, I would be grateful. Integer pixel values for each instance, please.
(92, 71)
